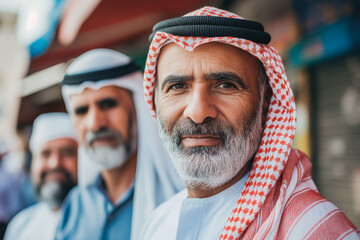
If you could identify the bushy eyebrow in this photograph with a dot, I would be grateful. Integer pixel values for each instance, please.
(107, 102)
(230, 76)
(175, 79)
(217, 76)
(81, 109)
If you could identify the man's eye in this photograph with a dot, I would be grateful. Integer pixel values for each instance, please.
(68, 152)
(107, 104)
(227, 85)
(176, 86)
(81, 110)
(45, 154)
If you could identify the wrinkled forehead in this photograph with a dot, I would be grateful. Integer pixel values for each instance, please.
(57, 144)
(132, 83)
(212, 49)
(89, 94)
(103, 91)
(210, 57)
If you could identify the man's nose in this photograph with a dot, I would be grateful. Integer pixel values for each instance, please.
(54, 161)
(96, 120)
(200, 105)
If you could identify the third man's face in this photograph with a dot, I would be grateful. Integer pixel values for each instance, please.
(208, 103)
(54, 170)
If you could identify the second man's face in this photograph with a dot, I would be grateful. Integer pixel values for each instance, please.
(103, 117)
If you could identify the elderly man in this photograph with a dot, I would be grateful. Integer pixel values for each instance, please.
(54, 173)
(103, 93)
(227, 117)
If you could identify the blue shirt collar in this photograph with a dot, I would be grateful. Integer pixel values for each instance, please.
(100, 185)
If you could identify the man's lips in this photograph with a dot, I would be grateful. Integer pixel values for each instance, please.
(55, 176)
(102, 141)
(200, 140)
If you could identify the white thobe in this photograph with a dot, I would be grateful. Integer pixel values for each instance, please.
(184, 218)
(37, 222)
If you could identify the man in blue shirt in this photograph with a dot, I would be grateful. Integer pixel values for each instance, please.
(119, 141)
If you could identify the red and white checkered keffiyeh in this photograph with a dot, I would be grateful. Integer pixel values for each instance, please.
(279, 200)
(279, 130)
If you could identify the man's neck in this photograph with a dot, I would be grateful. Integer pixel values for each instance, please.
(205, 192)
(119, 179)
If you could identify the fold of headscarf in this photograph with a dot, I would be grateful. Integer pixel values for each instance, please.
(51, 126)
(294, 209)
(275, 146)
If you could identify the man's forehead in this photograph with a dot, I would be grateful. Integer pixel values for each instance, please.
(57, 144)
(103, 92)
(216, 56)
(215, 47)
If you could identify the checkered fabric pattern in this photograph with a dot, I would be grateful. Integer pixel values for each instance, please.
(279, 129)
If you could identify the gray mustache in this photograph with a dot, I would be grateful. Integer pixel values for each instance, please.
(213, 127)
(91, 136)
(57, 170)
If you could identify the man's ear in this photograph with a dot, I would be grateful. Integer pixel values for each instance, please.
(266, 102)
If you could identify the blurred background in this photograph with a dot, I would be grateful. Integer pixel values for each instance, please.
(318, 40)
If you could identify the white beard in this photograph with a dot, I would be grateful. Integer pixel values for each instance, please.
(106, 157)
(51, 192)
(212, 167)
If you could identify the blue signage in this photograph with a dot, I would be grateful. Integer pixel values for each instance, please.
(338, 38)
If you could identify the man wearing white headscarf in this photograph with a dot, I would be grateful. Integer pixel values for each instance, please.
(119, 141)
(54, 173)
(227, 117)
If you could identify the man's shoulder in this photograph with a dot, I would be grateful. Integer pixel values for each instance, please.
(307, 213)
(79, 193)
(171, 203)
(163, 217)
(28, 212)
(72, 211)
(74, 201)
(78, 199)
(22, 219)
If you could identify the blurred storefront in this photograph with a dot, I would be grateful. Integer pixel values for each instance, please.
(15, 192)
(120, 25)
(330, 52)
